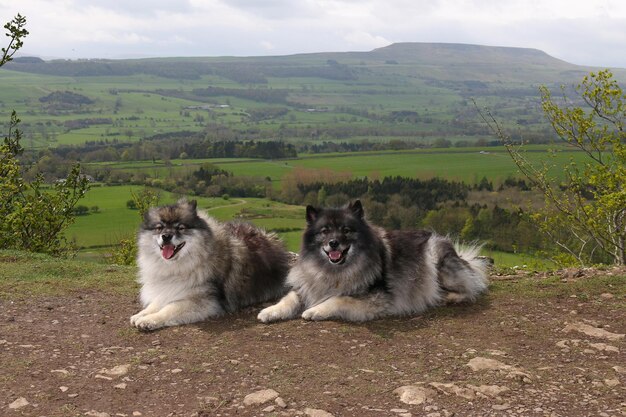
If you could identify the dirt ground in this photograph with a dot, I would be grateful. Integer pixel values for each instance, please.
(511, 354)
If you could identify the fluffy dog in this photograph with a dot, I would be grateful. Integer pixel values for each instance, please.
(351, 270)
(192, 267)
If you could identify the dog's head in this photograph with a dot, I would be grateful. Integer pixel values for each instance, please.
(338, 235)
(172, 227)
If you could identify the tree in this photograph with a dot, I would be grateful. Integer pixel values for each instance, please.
(585, 211)
(33, 214)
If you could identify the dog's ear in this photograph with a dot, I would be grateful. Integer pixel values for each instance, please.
(311, 214)
(192, 204)
(356, 208)
(147, 216)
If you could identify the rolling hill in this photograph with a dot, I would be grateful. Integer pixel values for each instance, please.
(416, 92)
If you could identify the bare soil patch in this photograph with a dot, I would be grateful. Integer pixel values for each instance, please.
(511, 354)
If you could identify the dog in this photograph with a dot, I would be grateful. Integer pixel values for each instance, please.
(192, 267)
(351, 270)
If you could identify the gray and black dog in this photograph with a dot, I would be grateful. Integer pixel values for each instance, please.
(351, 270)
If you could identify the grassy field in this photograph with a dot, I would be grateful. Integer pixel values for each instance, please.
(139, 105)
(469, 165)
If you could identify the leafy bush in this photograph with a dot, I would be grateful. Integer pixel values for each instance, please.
(34, 215)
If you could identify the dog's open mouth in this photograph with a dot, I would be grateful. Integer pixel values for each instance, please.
(168, 250)
(337, 256)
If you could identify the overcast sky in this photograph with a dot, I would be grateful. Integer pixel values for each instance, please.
(590, 32)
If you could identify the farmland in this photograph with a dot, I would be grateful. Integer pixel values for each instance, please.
(416, 92)
(192, 126)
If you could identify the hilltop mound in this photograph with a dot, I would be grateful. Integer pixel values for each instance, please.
(534, 346)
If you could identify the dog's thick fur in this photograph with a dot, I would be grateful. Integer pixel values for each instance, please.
(192, 267)
(352, 270)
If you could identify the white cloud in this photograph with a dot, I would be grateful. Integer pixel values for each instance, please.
(586, 32)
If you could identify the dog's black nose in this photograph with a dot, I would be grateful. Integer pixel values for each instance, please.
(334, 244)
(166, 238)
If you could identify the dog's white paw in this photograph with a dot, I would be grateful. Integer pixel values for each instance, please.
(270, 314)
(316, 313)
(147, 323)
(135, 317)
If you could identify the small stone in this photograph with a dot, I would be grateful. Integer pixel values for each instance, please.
(501, 407)
(452, 389)
(176, 371)
(63, 389)
(19, 403)
(314, 412)
(269, 409)
(260, 397)
(486, 364)
(604, 347)
(72, 395)
(611, 382)
(137, 414)
(118, 370)
(94, 413)
(619, 369)
(489, 390)
(120, 386)
(60, 371)
(413, 395)
(280, 402)
(607, 296)
(398, 410)
(593, 331)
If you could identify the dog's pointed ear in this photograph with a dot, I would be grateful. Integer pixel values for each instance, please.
(192, 204)
(311, 214)
(356, 208)
(147, 216)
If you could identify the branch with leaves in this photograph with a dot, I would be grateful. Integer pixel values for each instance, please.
(16, 32)
(585, 212)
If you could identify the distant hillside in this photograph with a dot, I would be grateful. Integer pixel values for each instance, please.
(439, 61)
(403, 95)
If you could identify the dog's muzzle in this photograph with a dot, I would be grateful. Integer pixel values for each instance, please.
(336, 256)
(168, 250)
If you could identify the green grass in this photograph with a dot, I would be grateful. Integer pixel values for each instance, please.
(30, 275)
(522, 261)
(468, 165)
(586, 288)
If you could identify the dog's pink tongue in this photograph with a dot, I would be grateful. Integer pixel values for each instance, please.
(334, 255)
(168, 251)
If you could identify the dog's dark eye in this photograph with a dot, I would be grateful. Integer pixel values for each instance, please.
(345, 230)
(158, 227)
(324, 230)
(181, 227)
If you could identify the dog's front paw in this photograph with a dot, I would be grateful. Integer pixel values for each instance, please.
(146, 323)
(316, 313)
(270, 314)
(135, 317)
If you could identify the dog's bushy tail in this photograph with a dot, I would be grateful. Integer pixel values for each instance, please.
(477, 268)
